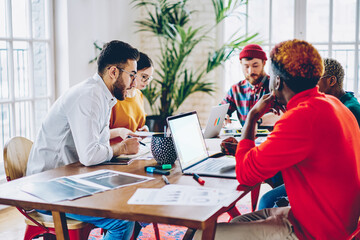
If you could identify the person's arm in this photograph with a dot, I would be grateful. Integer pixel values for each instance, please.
(121, 132)
(87, 122)
(289, 143)
(229, 98)
(260, 108)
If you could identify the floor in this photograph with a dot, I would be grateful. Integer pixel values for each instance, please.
(12, 225)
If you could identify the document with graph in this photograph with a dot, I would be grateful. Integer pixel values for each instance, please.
(81, 185)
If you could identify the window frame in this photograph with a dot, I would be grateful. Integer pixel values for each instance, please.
(30, 40)
(300, 17)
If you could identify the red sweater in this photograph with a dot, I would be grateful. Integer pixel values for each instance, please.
(316, 146)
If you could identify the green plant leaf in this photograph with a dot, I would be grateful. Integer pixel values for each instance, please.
(170, 22)
(190, 85)
(224, 9)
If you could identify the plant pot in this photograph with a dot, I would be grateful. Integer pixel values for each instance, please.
(155, 123)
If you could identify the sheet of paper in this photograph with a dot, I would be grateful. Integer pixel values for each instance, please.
(145, 134)
(174, 194)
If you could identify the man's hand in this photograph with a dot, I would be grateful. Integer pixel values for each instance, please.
(229, 145)
(227, 120)
(262, 106)
(127, 146)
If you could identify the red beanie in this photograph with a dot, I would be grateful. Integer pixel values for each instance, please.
(253, 51)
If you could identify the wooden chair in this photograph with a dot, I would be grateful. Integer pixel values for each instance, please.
(16, 153)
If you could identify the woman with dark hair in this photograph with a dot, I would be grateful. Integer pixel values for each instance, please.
(130, 114)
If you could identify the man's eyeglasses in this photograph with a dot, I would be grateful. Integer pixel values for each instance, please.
(145, 78)
(132, 75)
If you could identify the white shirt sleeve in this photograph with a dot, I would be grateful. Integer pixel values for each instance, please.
(88, 122)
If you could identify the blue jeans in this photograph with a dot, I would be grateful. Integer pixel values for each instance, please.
(269, 199)
(116, 228)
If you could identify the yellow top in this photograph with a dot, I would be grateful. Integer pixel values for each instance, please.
(129, 113)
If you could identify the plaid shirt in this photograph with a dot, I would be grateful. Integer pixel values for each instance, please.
(243, 96)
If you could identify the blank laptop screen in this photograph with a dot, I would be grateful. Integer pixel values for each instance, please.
(188, 139)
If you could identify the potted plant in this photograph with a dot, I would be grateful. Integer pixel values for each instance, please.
(170, 22)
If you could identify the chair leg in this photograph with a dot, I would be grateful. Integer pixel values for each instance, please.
(156, 231)
(189, 235)
(233, 212)
(49, 236)
(254, 197)
(32, 231)
(80, 234)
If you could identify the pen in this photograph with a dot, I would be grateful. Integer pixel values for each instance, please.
(163, 166)
(138, 141)
(165, 179)
(158, 171)
(198, 179)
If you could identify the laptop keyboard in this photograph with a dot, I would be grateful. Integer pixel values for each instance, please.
(211, 165)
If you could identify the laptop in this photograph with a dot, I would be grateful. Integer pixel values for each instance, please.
(191, 148)
(215, 121)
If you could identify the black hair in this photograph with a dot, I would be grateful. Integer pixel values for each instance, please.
(116, 52)
(296, 84)
(144, 62)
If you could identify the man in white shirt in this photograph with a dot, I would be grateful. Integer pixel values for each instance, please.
(77, 125)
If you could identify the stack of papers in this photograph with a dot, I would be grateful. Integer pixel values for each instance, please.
(174, 194)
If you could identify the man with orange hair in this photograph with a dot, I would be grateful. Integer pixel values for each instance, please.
(316, 146)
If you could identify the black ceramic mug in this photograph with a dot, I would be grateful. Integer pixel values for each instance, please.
(162, 149)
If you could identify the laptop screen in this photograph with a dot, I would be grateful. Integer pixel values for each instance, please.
(188, 139)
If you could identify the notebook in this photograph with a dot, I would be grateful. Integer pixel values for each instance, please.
(191, 148)
(215, 121)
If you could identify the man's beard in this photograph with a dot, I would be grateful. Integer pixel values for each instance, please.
(255, 78)
(119, 89)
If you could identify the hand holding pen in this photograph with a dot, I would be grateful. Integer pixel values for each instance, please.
(138, 140)
(127, 146)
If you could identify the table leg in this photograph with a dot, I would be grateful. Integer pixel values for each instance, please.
(61, 229)
(209, 231)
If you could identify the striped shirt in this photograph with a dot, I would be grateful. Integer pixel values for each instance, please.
(243, 96)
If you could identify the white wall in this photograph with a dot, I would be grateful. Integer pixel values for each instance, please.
(78, 23)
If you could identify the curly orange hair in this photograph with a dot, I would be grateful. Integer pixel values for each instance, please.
(298, 58)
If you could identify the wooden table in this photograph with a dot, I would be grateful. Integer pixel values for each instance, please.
(113, 203)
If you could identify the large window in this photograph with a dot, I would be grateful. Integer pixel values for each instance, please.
(26, 67)
(332, 26)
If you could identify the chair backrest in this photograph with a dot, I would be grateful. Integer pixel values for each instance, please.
(16, 154)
